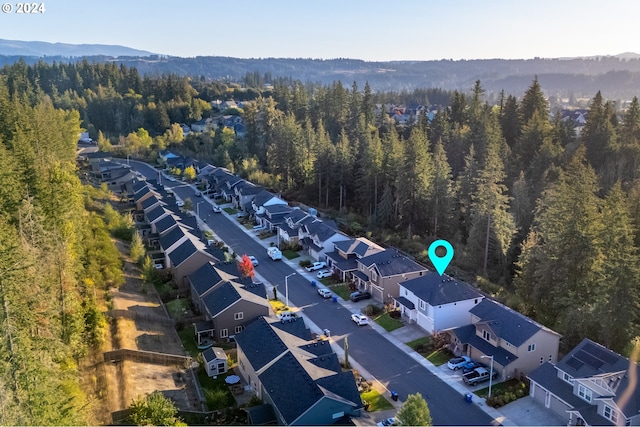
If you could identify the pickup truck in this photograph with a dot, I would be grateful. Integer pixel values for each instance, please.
(274, 253)
(478, 375)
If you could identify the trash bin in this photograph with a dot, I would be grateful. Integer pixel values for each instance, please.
(394, 396)
(335, 299)
(313, 283)
(468, 397)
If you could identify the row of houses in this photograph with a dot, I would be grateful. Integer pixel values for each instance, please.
(590, 386)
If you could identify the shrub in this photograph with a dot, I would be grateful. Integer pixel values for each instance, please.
(395, 314)
(304, 263)
(372, 310)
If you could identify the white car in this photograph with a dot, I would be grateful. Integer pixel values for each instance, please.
(388, 422)
(254, 261)
(324, 292)
(286, 315)
(323, 273)
(180, 203)
(316, 266)
(217, 209)
(241, 214)
(360, 319)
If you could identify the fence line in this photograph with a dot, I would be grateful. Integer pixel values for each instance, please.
(146, 357)
(136, 315)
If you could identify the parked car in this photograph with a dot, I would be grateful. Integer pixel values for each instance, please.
(287, 315)
(323, 273)
(254, 261)
(359, 296)
(324, 292)
(470, 366)
(360, 319)
(274, 253)
(478, 375)
(217, 209)
(180, 203)
(458, 362)
(316, 266)
(259, 228)
(388, 422)
(198, 194)
(241, 214)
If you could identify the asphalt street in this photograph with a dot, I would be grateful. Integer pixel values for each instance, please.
(389, 364)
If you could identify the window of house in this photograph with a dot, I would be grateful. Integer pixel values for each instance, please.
(238, 316)
(541, 360)
(374, 276)
(610, 413)
(423, 305)
(584, 393)
(550, 357)
(239, 329)
(224, 333)
(531, 347)
(568, 378)
(486, 335)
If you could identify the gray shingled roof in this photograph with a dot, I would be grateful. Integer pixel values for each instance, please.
(182, 253)
(278, 209)
(213, 353)
(547, 376)
(141, 193)
(263, 197)
(506, 323)
(220, 298)
(165, 224)
(204, 278)
(138, 185)
(467, 335)
(155, 213)
(438, 290)
(390, 262)
(172, 237)
(259, 343)
(148, 202)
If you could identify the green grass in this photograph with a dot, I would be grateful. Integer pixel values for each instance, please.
(289, 254)
(439, 357)
(177, 307)
(509, 386)
(188, 338)
(377, 402)
(387, 322)
(230, 211)
(417, 343)
(342, 291)
(216, 392)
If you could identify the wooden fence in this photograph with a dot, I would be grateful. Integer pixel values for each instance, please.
(146, 357)
(136, 315)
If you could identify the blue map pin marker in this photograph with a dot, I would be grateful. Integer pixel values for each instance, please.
(440, 263)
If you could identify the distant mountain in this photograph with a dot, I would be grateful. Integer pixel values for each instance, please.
(39, 49)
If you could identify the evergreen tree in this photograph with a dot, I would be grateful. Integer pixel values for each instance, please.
(533, 102)
(598, 134)
(442, 197)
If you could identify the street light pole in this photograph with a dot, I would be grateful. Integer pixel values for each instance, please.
(198, 208)
(286, 288)
(490, 373)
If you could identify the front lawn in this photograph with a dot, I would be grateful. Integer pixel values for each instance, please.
(387, 322)
(230, 211)
(425, 347)
(417, 344)
(289, 254)
(439, 357)
(377, 402)
(342, 291)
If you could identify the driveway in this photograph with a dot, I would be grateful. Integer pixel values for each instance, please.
(531, 412)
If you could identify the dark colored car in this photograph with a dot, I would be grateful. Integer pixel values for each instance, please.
(359, 295)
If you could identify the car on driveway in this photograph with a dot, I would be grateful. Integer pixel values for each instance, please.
(470, 366)
(323, 273)
(324, 292)
(241, 214)
(254, 261)
(458, 362)
(316, 266)
(359, 295)
(360, 319)
(388, 422)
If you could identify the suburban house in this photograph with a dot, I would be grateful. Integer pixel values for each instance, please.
(205, 278)
(381, 273)
(343, 259)
(117, 178)
(244, 193)
(231, 304)
(288, 230)
(317, 237)
(265, 198)
(202, 125)
(215, 361)
(299, 378)
(150, 203)
(166, 224)
(228, 104)
(273, 215)
(590, 386)
(142, 194)
(518, 344)
(187, 258)
(165, 155)
(174, 238)
(226, 186)
(156, 214)
(437, 302)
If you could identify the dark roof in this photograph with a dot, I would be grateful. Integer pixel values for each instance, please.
(118, 173)
(590, 359)
(249, 190)
(155, 213)
(204, 326)
(182, 253)
(547, 376)
(319, 348)
(138, 185)
(342, 384)
(261, 415)
(188, 220)
(297, 214)
(467, 335)
(204, 278)
(259, 343)
(213, 353)
(295, 327)
(405, 302)
(220, 298)
(263, 197)
(141, 193)
(172, 237)
(165, 224)
(278, 209)
(438, 290)
(98, 155)
(216, 252)
(257, 289)
(361, 275)
(148, 202)
(506, 323)
(390, 262)
(315, 227)
(290, 387)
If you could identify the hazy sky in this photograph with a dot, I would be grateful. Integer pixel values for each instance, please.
(364, 29)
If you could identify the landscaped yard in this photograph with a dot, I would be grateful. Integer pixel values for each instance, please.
(341, 290)
(425, 347)
(387, 322)
(439, 357)
(376, 401)
(289, 254)
(216, 392)
(177, 308)
(230, 211)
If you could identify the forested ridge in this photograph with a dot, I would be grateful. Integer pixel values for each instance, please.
(56, 256)
(541, 218)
